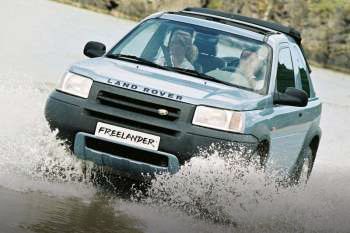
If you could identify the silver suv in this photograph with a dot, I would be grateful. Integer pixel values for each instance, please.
(184, 80)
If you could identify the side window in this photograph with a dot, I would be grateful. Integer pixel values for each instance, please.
(304, 80)
(285, 73)
(304, 77)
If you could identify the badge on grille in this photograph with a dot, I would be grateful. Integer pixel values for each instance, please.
(163, 112)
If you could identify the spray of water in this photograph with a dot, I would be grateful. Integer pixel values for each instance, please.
(212, 193)
(31, 158)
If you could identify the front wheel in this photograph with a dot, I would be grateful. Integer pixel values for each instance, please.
(304, 166)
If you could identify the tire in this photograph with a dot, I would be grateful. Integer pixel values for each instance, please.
(304, 166)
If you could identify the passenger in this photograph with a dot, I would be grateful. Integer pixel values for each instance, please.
(247, 70)
(180, 53)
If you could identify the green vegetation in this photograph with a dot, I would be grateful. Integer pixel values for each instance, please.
(324, 24)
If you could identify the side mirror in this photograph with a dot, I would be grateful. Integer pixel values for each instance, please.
(94, 49)
(291, 97)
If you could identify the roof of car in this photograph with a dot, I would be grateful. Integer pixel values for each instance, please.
(249, 21)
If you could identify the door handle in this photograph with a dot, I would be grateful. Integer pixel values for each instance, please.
(300, 114)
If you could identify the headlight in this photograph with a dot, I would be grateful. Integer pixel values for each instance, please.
(219, 119)
(75, 84)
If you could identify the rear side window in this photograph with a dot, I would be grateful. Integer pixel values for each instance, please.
(285, 74)
(304, 80)
(304, 77)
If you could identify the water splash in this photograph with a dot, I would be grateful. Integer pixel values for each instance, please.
(31, 158)
(216, 194)
(211, 187)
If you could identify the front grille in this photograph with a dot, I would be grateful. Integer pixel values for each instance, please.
(137, 111)
(124, 122)
(137, 105)
(127, 152)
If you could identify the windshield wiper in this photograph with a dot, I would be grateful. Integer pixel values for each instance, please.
(199, 75)
(136, 59)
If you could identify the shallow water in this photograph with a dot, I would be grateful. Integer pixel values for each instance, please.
(42, 186)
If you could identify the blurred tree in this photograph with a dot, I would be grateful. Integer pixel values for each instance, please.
(324, 24)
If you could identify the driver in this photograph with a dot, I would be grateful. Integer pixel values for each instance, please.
(180, 52)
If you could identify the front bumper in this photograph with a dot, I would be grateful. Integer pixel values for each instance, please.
(121, 163)
(72, 117)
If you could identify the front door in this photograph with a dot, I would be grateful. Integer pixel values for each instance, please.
(288, 124)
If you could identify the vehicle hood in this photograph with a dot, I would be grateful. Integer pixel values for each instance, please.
(167, 84)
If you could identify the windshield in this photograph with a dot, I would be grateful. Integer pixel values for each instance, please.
(200, 51)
